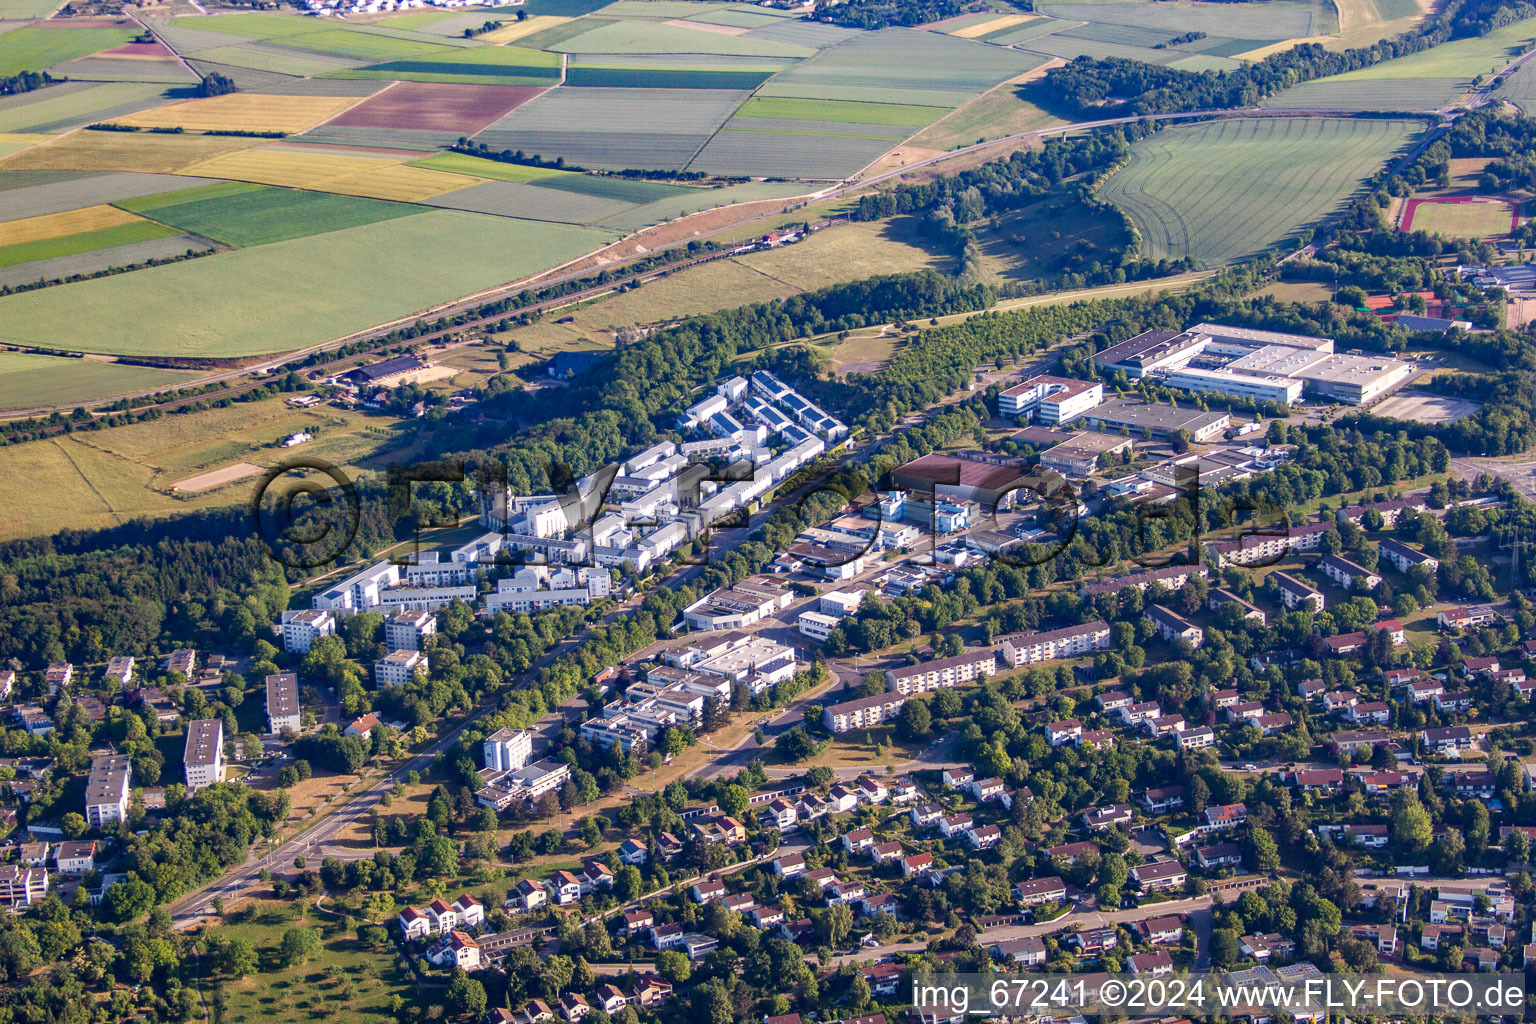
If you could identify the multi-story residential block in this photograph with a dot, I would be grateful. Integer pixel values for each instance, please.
(399, 667)
(1030, 648)
(302, 628)
(942, 672)
(203, 758)
(1404, 557)
(408, 631)
(106, 790)
(1173, 626)
(1344, 572)
(283, 709)
(1295, 594)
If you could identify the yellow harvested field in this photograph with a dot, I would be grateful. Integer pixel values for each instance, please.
(245, 112)
(374, 177)
(123, 151)
(518, 29)
(1273, 48)
(994, 25)
(70, 222)
(401, 183)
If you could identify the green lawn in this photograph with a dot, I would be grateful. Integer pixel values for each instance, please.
(84, 241)
(245, 215)
(33, 49)
(292, 294)
(1227, 189)
(848, 111)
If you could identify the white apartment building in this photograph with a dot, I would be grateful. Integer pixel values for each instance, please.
(508, 749)
(398, 667)
(359, 592)
(942, 672)
(283, 709)
(302, 628)
(203, 758)
(1071, 641)
(408, 631)
(816, 625)
(106, 790)
(535, 588)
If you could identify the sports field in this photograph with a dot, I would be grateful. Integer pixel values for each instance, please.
(244, 215)
(291, 294)
(1458, 217)
(1228, 189)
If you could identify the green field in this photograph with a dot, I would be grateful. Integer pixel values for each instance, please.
(460, 163)
(362, 45)
(663, 78)
(1462, 220)
(244, 215)
(84, 241)
(28, 8)
(1228, 189)
(252, 26)
(76, 103)
(1460, 58)
(498, 65)
(1386, 94)
(28, 380)
(850, 111)
(288, 295)
(1276, 19)
(658, 37)
(622, 189)
(33, 49)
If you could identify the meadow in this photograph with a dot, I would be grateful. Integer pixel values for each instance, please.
(1453, 219)
(245, 215)
(1460, 58)
(1227, 189)
(1006, 110)
(27, 379)
(254, 301)
(34, 48)
(1385, 94)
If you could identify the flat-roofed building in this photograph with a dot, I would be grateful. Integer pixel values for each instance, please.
(283, 709)
(398, 667)
(302, 628)
(970, 476)
(1079, 455)
(1259, 387)
(1150, 350)
(407, 631)
(1137, 417)
(106, 789)
(1353, 379)
(203, 757)
(1050, 400)
(507, 749)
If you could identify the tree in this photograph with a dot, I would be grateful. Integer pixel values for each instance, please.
(126, 901)
(1412, 828)
(1261, 850)
(236, 956)
(1226, 950)
(673, 966)
(915, 721)
(215, 85)
(73, 824)
(733, 800)
(299, 945)
(465, 994)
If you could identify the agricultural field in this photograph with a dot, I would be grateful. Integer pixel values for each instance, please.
(252, 301)
(1278, 19)
(243, 215)
(1370, 94)
(118, 257)
(836, 110)
(461, 163)
(465, 109)
(513, 199)
(34, 48)
(1006, 110)
(294, 167)
(101, 479)
(615, 128)
(1227, 189)
(1459, 217)
(492, 65)
(246, 112)
(1458, 59)
(28, 380)
(903, 67)
(794, 153)
(70, 234)
(653, 37)
(75, 103)
(123, 151)
(34, 193)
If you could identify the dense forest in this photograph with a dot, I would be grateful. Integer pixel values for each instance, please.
(875, 14)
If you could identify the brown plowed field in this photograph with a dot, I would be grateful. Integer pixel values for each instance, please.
(437, 107)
